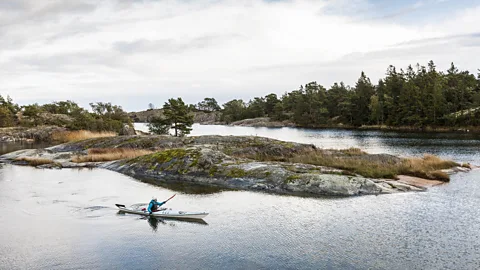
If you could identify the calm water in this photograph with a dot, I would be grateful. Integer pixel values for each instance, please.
(65, 219)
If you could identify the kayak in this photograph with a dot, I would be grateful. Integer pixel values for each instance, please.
(163, 213)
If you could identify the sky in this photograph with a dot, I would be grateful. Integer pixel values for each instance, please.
(136, 52)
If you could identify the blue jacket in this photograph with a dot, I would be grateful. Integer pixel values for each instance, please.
(152, 203)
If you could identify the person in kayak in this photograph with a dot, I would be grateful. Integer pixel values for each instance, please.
(153, 205)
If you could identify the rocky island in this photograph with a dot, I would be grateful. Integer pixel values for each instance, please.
(246, 163)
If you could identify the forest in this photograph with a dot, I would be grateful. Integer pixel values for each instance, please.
(418, 96)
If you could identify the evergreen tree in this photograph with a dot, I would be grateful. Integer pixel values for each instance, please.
(336, 95)
(435, 95)
(255, 108)
(208, 105)
(233, 110)
(271, 101)
(176, 116)
(382, 104)
(364, 90)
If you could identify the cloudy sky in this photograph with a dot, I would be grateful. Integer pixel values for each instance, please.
(133, 52)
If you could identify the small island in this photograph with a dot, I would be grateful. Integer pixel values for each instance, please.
(244, 163)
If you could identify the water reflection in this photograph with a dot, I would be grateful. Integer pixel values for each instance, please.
(153, 222)
(179, 186)
(7, 147)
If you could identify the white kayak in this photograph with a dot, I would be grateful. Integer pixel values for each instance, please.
(163, 213)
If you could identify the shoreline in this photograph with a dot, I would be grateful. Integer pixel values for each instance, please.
(226, 162)
(406, 129)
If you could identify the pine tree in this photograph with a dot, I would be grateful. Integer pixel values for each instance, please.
(176, 116)
(364, 90)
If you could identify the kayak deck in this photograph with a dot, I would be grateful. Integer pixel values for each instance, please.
(164, 213)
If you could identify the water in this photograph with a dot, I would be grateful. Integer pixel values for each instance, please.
(6, 147)
(66, 219)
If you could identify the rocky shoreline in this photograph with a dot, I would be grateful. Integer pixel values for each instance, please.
(221, 161)
(20, 134)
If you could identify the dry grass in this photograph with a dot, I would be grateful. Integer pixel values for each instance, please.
(109, 154)
(73, 136)
(439, 175)
(352, 151)
(35, 161)
(427, 167)
(351, 163)
(358, 162)
(467, 165)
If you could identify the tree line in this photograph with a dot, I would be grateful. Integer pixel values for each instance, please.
(103, 116)
(418, 96)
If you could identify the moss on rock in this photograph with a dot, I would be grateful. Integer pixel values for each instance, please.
(236, 173)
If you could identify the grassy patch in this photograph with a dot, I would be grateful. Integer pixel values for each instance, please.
(352, 151)
(109, 154)
(425, 167)
(35, 161)
(439, 175)
(74, 136)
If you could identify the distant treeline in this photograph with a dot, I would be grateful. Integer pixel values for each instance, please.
(418, 96)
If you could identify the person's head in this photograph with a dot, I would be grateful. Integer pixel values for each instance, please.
(154, 198)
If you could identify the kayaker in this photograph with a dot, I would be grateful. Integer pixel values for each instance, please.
(153, 205)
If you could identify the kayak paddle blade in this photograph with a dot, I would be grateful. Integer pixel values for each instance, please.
(120, 205)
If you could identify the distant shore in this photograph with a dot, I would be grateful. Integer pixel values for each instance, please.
(267, 122)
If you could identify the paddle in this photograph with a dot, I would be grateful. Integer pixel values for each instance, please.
(170, 198)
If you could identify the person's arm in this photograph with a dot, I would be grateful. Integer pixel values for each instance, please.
(160, 203)
(150, 207)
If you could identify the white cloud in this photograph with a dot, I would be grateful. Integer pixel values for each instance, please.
(135, 51)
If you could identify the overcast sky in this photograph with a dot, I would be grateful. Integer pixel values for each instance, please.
(133, 52)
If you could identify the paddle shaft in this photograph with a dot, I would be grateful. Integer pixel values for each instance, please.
(170, 198)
